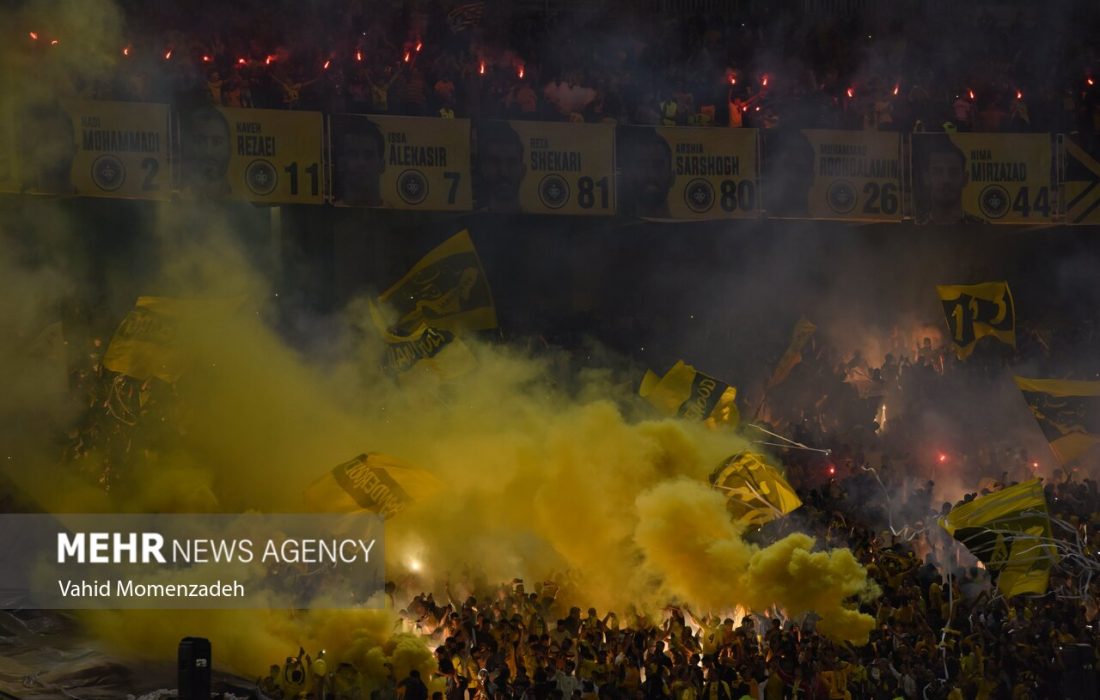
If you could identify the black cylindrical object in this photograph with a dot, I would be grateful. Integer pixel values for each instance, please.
(194, 668)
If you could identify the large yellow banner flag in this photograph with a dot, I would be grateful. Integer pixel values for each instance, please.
(974, 311)
(756, 492)
(1068, 412)
(151, 340)
(374, 482)
(447, 290)
(1009, 531)
(688, 393)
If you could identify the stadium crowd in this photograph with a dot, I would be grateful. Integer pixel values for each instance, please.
(755, 66)
(942, 628)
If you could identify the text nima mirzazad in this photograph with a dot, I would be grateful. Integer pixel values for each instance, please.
(151, 548)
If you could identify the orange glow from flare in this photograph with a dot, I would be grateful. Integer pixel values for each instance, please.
(832, 470)
(168, 55)
(481, 68)
(733, 79)
(521, 72)
(764, 80)
(1019, 95)
(358, 55)
(851, 93)
(407, 57)
(241, 61)
(942, 458)
(1034, 465)
(126, 51)
(34, 35)
(205, 58)
(419, 45)
(269, 60)
(1090, 81)
(897, 87)
(327, 64)
(970, 93)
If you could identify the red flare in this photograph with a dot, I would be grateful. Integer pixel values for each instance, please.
(520, 73)
(34, 35)
(419, 45)
(1019, 95)
(757, 109)
(832, 470)
(1034, 465)
(733, 79)
(205, 58)
(942, 458)
(407, 56)
(241, 61)
(1090, 81)
(269, 60)
(764, 80)
(897, 87)
(327, 64)
(125, 50)
(358, 55)
(168, 55)
(55, 42)
(970, 93)
(481, 68)
(851, 93)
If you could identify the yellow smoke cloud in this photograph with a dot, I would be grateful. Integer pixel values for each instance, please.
(539, 480)
(690, 542)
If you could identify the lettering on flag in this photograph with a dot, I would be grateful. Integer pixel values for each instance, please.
(685, 392)
(372, 481)
(978, 310)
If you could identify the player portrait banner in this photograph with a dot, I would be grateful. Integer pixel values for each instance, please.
(401, 162)
(687, 173)
(545, 168)
(256, 155)
(857, 175)
(1082, 184)
(982, 178)
(974, 311)
(121, 149)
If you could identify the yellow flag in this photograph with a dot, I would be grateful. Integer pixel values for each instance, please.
(974, 311)
(803, 329)
(1068, 412)
(1009, 531)
(446, 290)
(151, 341)
(688, 393)
(428, 349)
(374, 482)
(756, 492)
